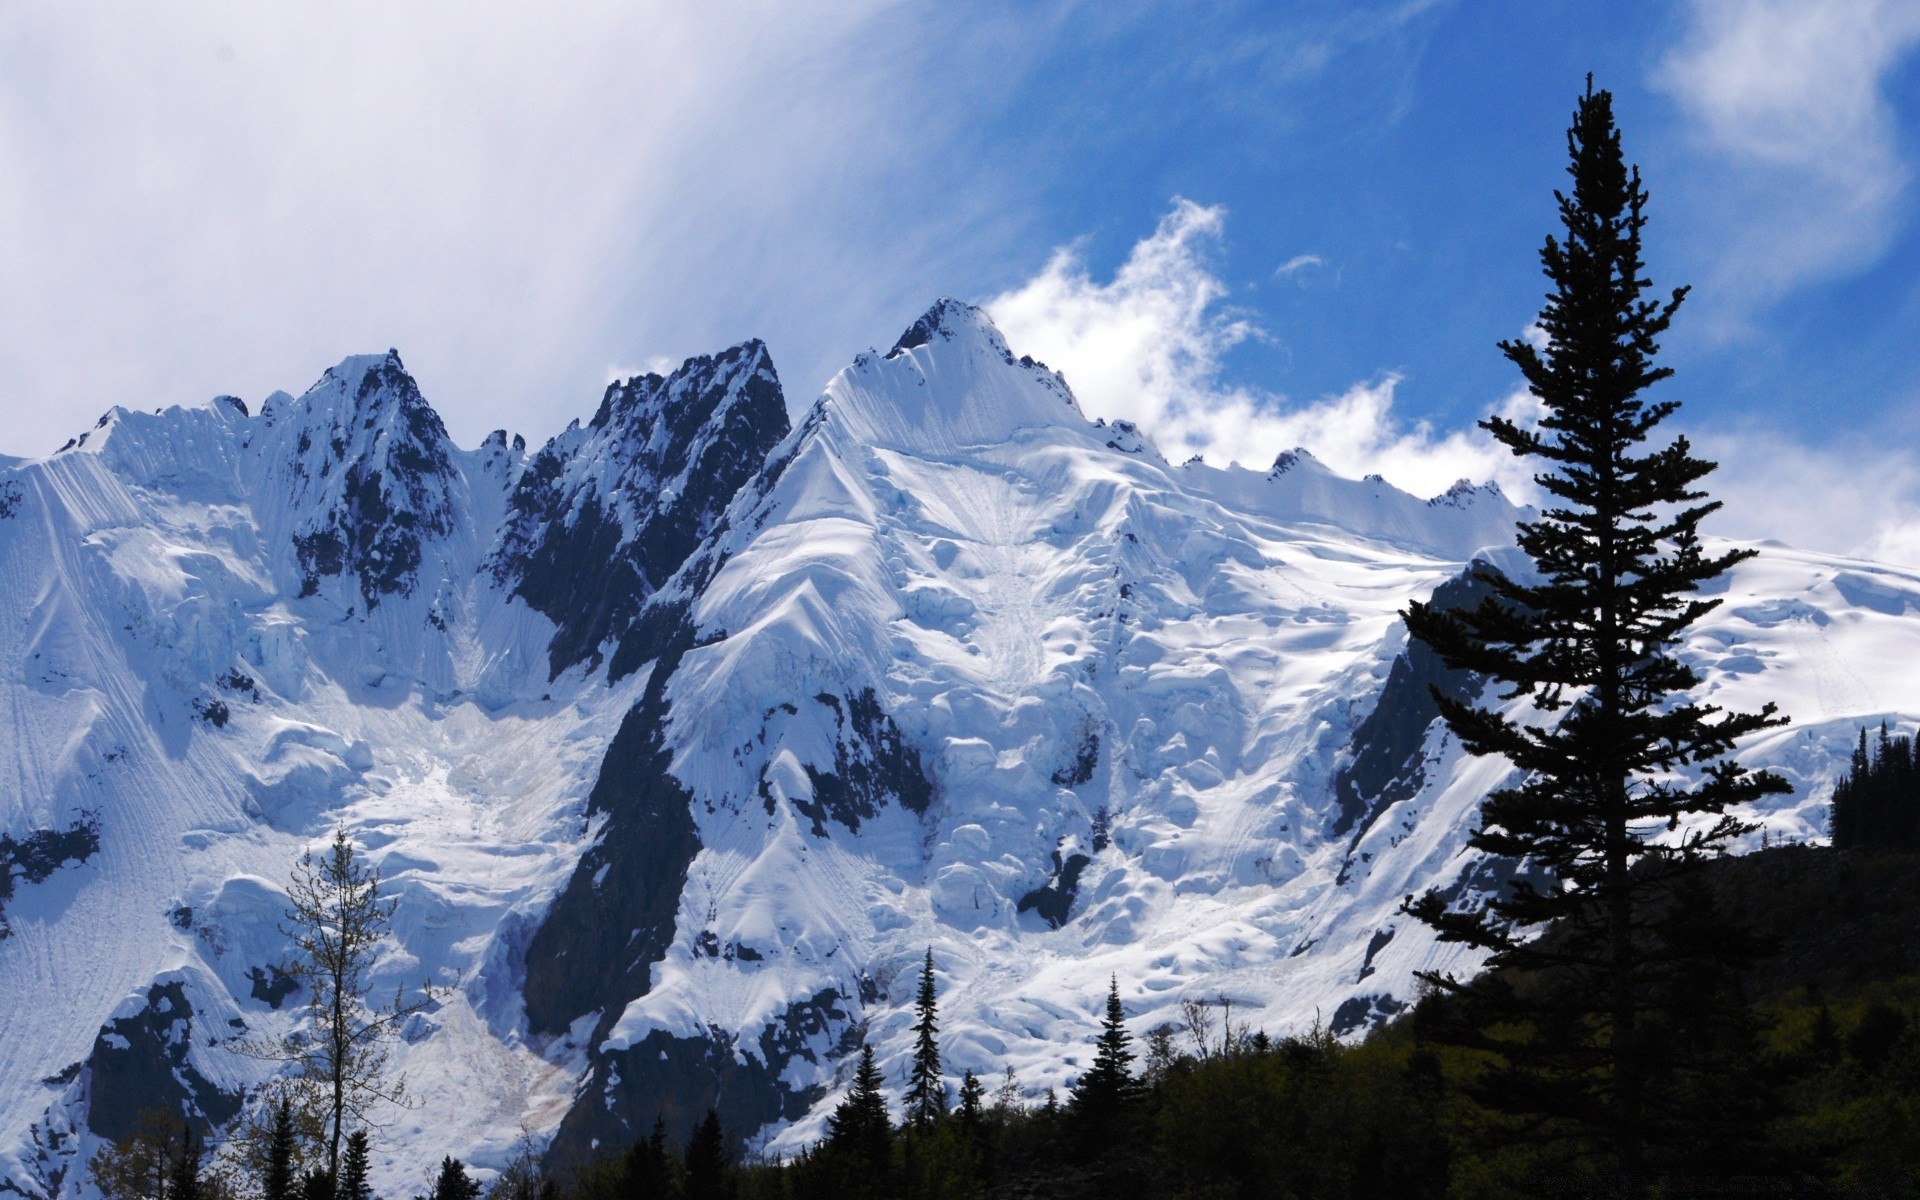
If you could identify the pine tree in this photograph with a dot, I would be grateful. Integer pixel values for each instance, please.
(186, 1184)
(859, 1131)
(926, 1091)
(1876, 806)
(973, 1098)
(1619, 561)
(316, 1184)
(353, 1169)
(650, 1165)
(278, 1180)
(707, 1160)
(1104, 1090)
(453, 1182)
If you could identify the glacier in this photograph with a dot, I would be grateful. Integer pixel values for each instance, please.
(682, 737)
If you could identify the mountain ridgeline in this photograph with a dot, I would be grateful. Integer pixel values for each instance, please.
(682, 737)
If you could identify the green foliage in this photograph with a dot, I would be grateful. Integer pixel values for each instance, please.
(1876, 806)
(926, 1090)
(709, 1166)
(1106, 1090)
(1592, 645)
(453, 1182)
(277, 1181)
(353, 1169)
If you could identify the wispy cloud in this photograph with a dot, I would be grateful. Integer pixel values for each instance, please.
(1789, 97)
(1149, 345)
(1298, 263)
(232, 196)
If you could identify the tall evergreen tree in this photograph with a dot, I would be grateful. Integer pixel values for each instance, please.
(973, 1101)
(278, 1181)
(186, 1183)
(353, 1169)
(859, 1131)
(707, 1160)
(1876, 806)
(1591, 644)
(1106, 1087)
(926, 1091)
(453, 1182)
(650, 1165)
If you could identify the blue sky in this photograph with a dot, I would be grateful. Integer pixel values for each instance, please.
(1242, 223)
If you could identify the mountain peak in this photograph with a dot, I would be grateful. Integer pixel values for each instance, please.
(946, 320)
(949, 381)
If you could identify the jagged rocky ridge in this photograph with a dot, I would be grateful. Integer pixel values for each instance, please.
(683, 736)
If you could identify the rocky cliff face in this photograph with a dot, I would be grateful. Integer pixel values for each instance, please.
(681, 738)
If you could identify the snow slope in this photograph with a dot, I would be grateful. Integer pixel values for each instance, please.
(685, 736)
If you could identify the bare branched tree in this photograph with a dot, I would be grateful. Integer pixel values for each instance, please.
(343, 1058)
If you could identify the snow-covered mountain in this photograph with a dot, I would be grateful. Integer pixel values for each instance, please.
(682, 738)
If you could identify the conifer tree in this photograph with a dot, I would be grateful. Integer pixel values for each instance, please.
(707, 1159)
(317, 1184)
(278, 1179)
(453, 1182)
(354, 1168)
(186, 1183)
(1591, 645)
(926, 1091)
(859, 1131)
(650, 1165)
(1106, 1087)
(973, 1097)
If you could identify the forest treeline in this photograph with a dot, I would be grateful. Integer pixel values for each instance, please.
(1825, 1064)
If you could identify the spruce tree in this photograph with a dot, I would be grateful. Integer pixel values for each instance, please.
(186, 1183)
(453, 1182)
(650, 1165)
(1104, 1090)
(707, 1160)
(859, 1131)
(353, 1169)
(973, 1097)
(1590, 644)
(926, 1092)
(316, 1184)
(278, 1181)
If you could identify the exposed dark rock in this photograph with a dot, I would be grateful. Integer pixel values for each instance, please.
(139, 1062)
(271, 985)
(615, 918)
(9, 499)
(1363, 1012)
(871, 764)
(1054, 900)
(389, 451)
(1386, 766)
(678, 1079)
(1085, 759)
(603, 517)
(40, 854)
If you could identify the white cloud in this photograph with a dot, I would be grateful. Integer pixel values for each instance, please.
(1297, 264)
(1148, 347)
(1852, 497)
(231, 196)
(1788, 95)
